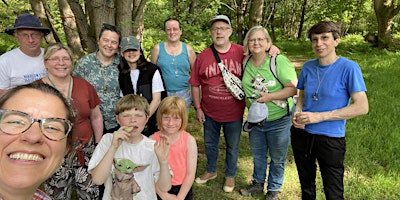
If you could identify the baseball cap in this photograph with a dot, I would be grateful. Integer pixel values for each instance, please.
(219, 18)
(27, 21)
(130, 42)
(258, 113)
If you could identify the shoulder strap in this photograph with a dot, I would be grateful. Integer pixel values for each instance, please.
(215, 53)
(272, 67)
(246, 60)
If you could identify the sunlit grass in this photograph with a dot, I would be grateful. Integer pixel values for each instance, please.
(372, 159)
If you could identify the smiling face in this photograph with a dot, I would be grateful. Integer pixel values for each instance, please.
(131, 55)
(29, 41)
(324, 45)
(108, 43)
(59, 64)
(29, 158)
(220, 32)
(171, 124)
(258, 43)
(173, 30)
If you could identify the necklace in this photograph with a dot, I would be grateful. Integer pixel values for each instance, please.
(175, 66)
(315, 95)
(69, 88)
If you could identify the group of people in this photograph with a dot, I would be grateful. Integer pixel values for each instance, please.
(119, 121)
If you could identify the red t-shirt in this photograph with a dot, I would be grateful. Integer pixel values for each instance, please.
(216, 101)
(84, 99)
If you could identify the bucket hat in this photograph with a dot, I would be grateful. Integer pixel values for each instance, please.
(258, 113)
(27, 21)
(130, 42)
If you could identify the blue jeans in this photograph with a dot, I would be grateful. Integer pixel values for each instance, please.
(185, 95)
(232, 131)
(272, 137)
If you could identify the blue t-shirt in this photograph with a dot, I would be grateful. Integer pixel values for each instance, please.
(337, 81)
(175, 69)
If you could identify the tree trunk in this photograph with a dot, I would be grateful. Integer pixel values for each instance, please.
(256, 12)
(88, 39)
(138, 18)
(124, 16)
(240, 13)
(102, 11)
(385, 13)
(70, 29)
(303, 13)
(40, 12)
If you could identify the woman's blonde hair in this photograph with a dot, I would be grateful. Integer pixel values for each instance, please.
(174, 106)
(250, 33)
(50, 49)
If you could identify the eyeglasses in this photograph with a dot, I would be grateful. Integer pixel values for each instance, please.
(27, 36)
(172, 29)
(58, 60)
(169, 118)
(14, 122)
(215, 29)
(253, 40)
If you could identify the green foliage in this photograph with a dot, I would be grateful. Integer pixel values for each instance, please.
(372, 165)
(7, 43)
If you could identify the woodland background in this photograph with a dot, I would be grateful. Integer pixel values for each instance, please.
(372, 159)
(77, 22)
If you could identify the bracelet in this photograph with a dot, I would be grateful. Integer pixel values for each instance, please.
(197, 108)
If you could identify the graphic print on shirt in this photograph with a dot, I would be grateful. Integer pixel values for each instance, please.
(124, 185)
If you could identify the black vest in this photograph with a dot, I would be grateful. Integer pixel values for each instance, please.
(144, 87)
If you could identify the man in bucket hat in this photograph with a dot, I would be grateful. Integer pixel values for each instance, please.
(24, 64)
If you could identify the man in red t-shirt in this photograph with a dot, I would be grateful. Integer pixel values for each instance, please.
(218, 108)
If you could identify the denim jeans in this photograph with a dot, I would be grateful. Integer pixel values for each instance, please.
(232, 131)
(185, 95)
(272, 137)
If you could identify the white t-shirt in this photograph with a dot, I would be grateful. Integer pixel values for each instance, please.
(157, 84)
(16, 68)
(141, 154)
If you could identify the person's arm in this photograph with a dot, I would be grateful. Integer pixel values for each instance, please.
(359, 106)
(288, 90)
(191, 168)
(154, 54)
(273, 50)
(191, 54)
(298, 109)
(100, 173)
(96, 120)
(155, 102)
(196, 103)
(162, 150)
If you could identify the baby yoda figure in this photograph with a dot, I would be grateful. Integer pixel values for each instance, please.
(124, 184)
(261, 87)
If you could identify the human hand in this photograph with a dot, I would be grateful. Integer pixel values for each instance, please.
(295, 120)
(264, 97)
(122, 134)
(200, 116)
(162, 148)
(273, 50)
(308, 117)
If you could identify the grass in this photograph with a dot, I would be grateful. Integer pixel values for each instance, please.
(372, 164)
(372, 159)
